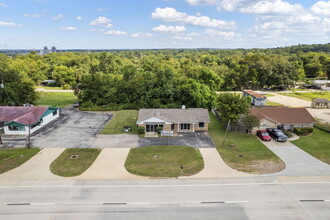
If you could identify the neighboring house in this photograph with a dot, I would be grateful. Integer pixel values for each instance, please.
(287, 118)
(256, 98)
(16, 120)
(174, 120)
(320, 103)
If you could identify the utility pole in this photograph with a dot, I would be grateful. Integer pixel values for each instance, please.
(29, 137)
(224, 138)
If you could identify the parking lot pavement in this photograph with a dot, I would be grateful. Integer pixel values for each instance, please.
(196, 139)
(116, 141)
(297, 162)
(73, 129)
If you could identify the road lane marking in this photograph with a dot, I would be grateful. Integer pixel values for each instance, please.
(41, 204)
(12, 204)
(312, 200)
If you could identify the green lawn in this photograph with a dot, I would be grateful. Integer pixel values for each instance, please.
(317, 145)
(244, 153)
(164, 161)
(67, 167)
(50, 87)
(56, 99)
(269, 103)
(308, 95)
(120, 119)
(269, 95)
(12, 158)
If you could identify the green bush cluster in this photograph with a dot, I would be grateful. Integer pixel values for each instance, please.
(303, 131)
(140, 130)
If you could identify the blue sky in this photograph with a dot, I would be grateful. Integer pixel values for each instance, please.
(133, 24)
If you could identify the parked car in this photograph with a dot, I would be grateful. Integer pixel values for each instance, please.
(263, 135)
(277, 134)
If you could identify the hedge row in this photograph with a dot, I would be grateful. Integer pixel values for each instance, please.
(303, 131)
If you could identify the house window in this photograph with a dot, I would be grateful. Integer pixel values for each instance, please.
(54, 113)
(201, 124)
(264, 125)
(185, 126)
(16, 128)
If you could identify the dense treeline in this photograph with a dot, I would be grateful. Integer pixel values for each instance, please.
(159, 78)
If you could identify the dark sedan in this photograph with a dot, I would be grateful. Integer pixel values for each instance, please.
(277, 134)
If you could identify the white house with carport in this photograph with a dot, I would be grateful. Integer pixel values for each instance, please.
(17, 120)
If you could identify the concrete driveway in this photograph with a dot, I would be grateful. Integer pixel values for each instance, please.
(116, 141)
(73, 129)
(297, 162)
(196, 139)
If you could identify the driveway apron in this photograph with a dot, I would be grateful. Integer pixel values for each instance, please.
(37, 168)
(297, 162)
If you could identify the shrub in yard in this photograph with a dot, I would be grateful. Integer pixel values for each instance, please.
(287, 133)
(159, 129)
(303, 131)
(140, 130)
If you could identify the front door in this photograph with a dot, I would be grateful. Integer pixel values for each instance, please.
(152, 128)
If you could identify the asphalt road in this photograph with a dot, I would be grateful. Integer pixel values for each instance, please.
(252, 198)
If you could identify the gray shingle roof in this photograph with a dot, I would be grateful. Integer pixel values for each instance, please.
(191, 115)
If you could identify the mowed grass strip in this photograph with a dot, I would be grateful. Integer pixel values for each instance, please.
(12, 158)
(56, 99)
(244, 153)
(308, 96)
(164, 161)
(67, 167)
(317, 145)
(121, 119)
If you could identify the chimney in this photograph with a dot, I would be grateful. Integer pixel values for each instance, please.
(183, 107)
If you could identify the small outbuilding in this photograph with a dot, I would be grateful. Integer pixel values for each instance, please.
(19, 120)
(257, 99)
(320, 103)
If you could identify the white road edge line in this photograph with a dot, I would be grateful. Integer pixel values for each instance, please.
(152, 186)
(138, 203)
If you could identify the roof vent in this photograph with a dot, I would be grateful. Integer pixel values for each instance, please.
(183, 107)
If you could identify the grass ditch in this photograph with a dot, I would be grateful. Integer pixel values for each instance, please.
(164, 161)
(66, 166)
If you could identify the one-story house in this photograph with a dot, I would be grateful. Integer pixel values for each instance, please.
(17, 120)
(174, 120)
(257, 99)
(286, 118)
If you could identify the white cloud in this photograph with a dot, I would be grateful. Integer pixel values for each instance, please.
(139, 34)
(3, 5)
(273, 7)
(113, 32)
(9, 24)
(57, 17)
(100, 21)
(201, 2)
(109, 26)
(172, 15)
(193, 34)
(79, 18)
(169, 29)
(321, 8)
(32, 15)
(221, 34)
(181, 38)
(235, 5)
(68, 28)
